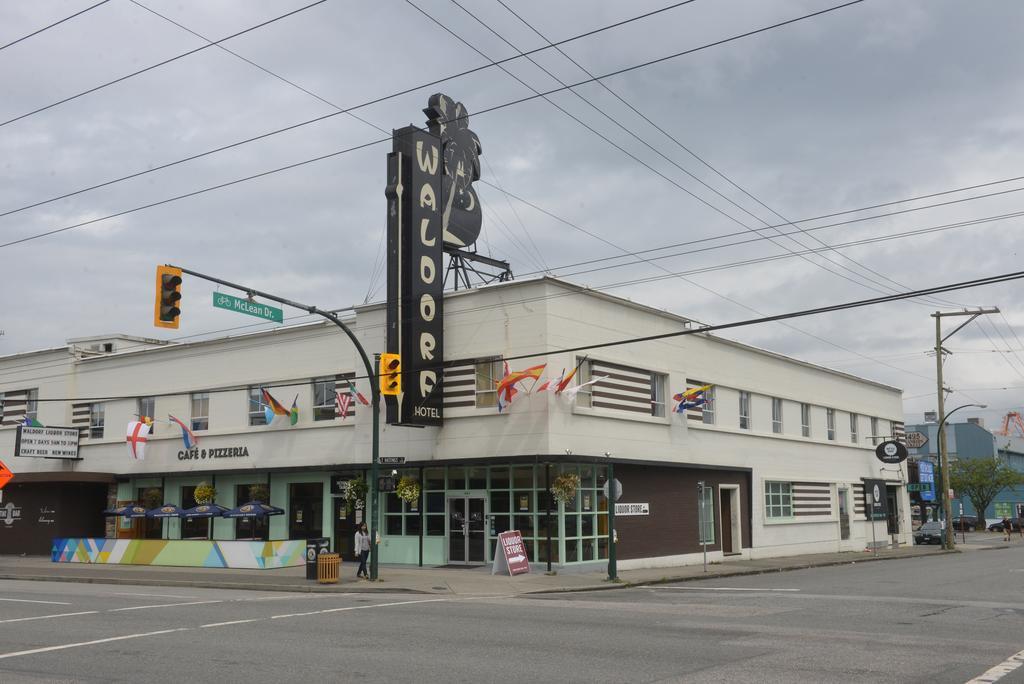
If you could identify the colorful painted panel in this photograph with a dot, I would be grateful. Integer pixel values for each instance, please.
(181, 553)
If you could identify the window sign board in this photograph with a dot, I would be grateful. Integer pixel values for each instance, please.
(47, 442)
(876, 502)
(926, 476)
(512, 557)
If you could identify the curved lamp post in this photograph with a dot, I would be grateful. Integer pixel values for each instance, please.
(949, 540)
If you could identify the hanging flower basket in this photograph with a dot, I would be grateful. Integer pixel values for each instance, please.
(205, 494)
(259, 492)
(355, 495)
(564, 487)
(408, 489)
(153, 497)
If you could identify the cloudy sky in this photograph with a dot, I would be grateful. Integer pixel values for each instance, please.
(874, 103)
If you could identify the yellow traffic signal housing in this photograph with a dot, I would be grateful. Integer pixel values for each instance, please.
(390, 374)
(167, 309)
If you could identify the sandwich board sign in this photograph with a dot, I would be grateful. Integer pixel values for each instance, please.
(513, 555)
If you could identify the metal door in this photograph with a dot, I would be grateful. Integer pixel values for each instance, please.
(466, 530)
(844, 516)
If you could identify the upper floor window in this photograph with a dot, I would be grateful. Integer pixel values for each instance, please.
(257, 416)
(324, 399)
(658, 382)
(830, 423)
(777, 415)
(744, 410)
(31, 406)
(585, 397)
(707, 413)
(488, 374)
(146, 407)
(201, 411)
(874, 430)
(853, 428)
(805, 420)
(96, 420)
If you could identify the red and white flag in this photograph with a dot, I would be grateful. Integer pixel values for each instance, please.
(138, 435)
(342, 400)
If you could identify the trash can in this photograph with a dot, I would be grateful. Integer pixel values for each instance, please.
(328, 568)
(314, 547)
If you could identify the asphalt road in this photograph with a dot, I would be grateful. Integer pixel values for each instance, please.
(936, 619)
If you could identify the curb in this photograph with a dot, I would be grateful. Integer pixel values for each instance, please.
(621, 584)
(295, 589)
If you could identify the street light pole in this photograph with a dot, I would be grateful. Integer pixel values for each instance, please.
(371, 373)
(949, 537)
(947, 506)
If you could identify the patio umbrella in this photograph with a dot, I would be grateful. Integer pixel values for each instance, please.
(210, 511)
(127, 511)
(165, 511)
(253, 509)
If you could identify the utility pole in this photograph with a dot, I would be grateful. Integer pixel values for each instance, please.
(371, 373)
(949, 539)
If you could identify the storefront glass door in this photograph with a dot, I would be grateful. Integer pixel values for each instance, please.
(466, 529)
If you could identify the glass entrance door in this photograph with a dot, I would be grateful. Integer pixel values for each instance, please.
(466, 528)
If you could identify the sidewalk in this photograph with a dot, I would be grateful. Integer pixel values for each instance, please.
(427, 580)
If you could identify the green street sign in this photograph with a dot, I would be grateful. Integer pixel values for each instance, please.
(247, 306)
(919, 487)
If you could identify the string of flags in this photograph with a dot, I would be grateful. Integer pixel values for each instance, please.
(507, 385)
(691, 398)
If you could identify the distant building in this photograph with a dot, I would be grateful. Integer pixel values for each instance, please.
(784, 446)
(970, 439)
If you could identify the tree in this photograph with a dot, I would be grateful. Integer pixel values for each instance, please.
(981, 480)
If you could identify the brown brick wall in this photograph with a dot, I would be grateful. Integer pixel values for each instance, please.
(671, 527)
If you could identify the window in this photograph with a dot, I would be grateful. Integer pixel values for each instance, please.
(744, 410)
(32, 404)
(147, 407)
(776, 415)
(778, 500)
(853, 428)
(805, 420)
(707, 413)
(324, 405)
(96, 414)
(488, 374)
(658, 394)
(706, 502)
(193, 528)
(874, 430)
(201, 410)
(256, 414)
(830, 423)
(584, 397)
(402, 517)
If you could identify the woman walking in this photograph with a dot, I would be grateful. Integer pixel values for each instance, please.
(362, 549)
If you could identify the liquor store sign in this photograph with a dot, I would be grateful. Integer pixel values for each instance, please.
(47, 442)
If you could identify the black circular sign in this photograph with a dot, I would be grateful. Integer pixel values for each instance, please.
(891, 452)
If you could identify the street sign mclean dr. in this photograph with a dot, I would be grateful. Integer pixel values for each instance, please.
(247, 306)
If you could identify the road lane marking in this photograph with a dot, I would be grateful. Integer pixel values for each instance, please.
(61, 647)
(174, 596)
(164, 605)
(355, 607)
(47, 617)
(52, 603)
(723, 589)
(230, 622)
(994, 674)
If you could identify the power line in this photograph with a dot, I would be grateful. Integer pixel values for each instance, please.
(56, 23)
(347, 110)
(703, 161)
(158, 64)
(961, 285)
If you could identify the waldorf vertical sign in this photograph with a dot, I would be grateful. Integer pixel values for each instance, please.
(430, 204)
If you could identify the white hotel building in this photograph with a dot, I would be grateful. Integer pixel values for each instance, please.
(784, 447)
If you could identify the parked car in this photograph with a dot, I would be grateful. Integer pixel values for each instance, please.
(929, 533)
(1015, 525)
(965, 523)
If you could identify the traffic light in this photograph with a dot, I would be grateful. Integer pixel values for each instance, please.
(390, 375)
(168, 297)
